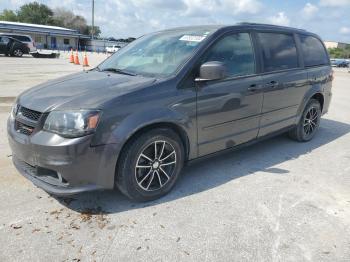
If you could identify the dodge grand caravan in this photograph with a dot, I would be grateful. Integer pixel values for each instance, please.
(165, 99)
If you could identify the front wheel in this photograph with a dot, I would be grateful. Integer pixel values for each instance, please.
(309, 122)
(150, 165)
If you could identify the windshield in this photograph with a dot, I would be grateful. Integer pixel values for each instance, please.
(158, 55)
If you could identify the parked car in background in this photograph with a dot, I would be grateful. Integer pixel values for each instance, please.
(12, 47)
(112, 49)
(27, 39)
(168, 98)
(340, 63)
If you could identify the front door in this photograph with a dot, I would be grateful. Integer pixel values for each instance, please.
(228, 111)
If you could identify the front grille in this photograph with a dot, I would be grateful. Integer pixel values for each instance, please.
(26, 120)
(28, 113)
(23, 128)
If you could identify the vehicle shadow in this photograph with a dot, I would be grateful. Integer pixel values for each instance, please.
(205, 175)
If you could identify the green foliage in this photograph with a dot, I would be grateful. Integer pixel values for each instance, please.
(35, 13)
(339, 52)
(8, 15)
(41, 14)
(88, 31)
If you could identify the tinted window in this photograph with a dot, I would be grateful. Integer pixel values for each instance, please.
(236, 52)
(66, 41)
(313, 50)
(21, 38)
(4, 40)
(279, 51)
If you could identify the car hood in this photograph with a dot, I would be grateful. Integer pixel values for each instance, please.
(89, 89)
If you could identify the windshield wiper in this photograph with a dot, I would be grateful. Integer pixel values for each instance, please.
(118, 71)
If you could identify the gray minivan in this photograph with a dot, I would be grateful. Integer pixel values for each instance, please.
(166, 99)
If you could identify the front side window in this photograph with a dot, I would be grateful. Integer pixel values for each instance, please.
(314, 53)
(236, 52)
(158, 54)
(279, 51)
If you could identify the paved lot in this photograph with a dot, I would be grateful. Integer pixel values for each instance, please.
(276, 201)
(18, 74)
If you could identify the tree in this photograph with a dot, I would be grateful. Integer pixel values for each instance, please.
(8, 15)
(339, 52)
(35, 13)
(65, 18)
(88, 31)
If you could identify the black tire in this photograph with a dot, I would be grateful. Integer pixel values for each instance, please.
(17, 52)
(131, 177)
(309, 121)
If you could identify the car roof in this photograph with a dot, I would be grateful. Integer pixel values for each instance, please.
(242, 25)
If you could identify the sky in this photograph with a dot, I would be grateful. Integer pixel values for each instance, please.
(125, 18)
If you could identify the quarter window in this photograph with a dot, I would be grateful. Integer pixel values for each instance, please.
(21, 38)
(279, 51)
(236, 52)
(313, 50)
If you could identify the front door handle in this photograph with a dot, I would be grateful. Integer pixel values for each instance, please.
(272, 84)
(254, 88)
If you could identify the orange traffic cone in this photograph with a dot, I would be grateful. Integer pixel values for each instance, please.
(71, 57)
(76, 58)
(85, 60)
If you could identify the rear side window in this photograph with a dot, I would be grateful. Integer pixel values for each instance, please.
(236, 52)
(314, 53)
(21, 38)
(278, 50)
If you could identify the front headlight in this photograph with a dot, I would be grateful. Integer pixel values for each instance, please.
(72, 123)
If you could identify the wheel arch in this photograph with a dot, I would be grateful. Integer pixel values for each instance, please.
(314, 93)
(320, 98)
(167, 125)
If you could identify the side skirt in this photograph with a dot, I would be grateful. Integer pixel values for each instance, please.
(238, 147)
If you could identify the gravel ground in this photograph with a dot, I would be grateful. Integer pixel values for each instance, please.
(278, 200)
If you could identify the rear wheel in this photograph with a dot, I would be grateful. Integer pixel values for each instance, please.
(309, 122)
(150, 165)
(17, 52)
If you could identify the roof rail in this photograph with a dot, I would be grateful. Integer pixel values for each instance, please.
(262, 24)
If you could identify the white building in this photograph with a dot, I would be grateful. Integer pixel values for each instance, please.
(332, 44)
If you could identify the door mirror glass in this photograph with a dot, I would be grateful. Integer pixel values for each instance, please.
(212, 70)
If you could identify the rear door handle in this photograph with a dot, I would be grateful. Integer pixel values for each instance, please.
(272, 84)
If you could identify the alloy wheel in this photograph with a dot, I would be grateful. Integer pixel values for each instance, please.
(18, 52)
(155, 165)
(310, 121)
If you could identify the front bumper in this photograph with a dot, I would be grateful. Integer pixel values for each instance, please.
(62, 166)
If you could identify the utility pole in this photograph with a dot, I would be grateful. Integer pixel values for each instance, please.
(93, 22)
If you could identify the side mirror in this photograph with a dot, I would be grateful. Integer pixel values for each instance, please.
(212, 70)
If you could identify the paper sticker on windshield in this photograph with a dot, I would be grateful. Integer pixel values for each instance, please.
(192, 38)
